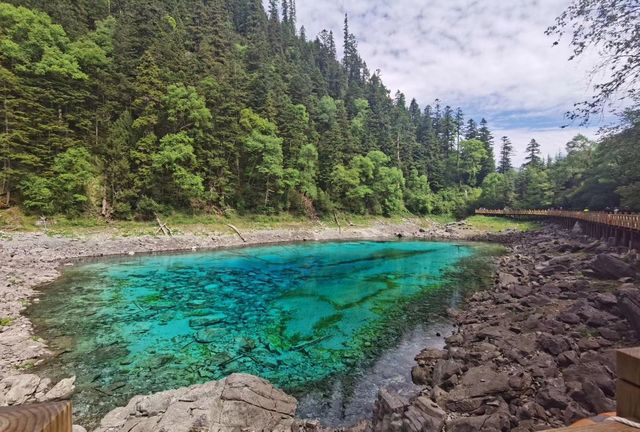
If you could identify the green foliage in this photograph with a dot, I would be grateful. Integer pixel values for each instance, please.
(498, 191)
(418, 195)
(173, 165)
(534, 189)
(66, 190)
(369, 185)
(73, 171)
(38, 195)
(218, 107)
(459, 202)
(472, 157)
(263, 151)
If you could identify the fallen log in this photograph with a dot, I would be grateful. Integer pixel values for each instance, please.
(237, 231)
(163, 227)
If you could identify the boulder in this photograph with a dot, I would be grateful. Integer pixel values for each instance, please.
(520, 291)
(629, 303)
(423, 415)
(553, 344)
(420, 375)
(61, 391)
(19, 389)
(445, 369)
(480, 381)
(485, 423)
(610, 267)
(553, 395)
(239, 402)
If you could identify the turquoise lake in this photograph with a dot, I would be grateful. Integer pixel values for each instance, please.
(308, 317)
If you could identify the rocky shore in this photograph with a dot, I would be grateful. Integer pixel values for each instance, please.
(535, 351)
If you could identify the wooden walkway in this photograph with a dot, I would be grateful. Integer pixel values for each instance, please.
(625, 221)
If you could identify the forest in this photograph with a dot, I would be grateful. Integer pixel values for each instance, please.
(128, 108)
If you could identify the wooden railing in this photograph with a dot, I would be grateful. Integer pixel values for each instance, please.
(627, 221)
(46, 417)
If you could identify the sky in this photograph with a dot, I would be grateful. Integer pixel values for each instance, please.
(489, 57)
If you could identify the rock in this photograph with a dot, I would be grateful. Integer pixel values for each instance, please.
(420, 375)
(606, 299)
(609, 267)
(430, 354)
(61, 391)
(568, 317)
(444, 369)
(629, 303)
(531, 410)
(567, 358)
(21, 388)
(423, 415)
(485, 423)
(506, 279)
(239, 402)
(591, 315)
(480, 381)
(553, 395)
(609, 334)
(553, 344)
(592, 397)
(78, 428)
(520, 291)
(390, 402)
(389, 410)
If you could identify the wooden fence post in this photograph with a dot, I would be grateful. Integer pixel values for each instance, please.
(45, 417)
(628, 385)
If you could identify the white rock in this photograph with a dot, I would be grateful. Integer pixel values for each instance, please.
(61, 391)
(21, 389)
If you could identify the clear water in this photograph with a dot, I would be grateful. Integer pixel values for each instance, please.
(313, 318)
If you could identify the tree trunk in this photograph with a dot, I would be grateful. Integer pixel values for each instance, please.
(6, 188)
(266, 194)
(398, 150)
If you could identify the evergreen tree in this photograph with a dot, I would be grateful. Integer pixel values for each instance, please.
(471, 130)
(489, 163)
(505, 156)
(533, 154)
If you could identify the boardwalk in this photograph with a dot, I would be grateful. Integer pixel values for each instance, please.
(625, 221)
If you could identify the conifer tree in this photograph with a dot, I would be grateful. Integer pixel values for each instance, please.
(506, 150)
(533, 154)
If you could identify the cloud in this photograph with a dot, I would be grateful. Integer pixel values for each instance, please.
(490, 57)
(551, 140)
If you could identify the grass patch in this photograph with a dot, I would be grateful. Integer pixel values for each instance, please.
(13, 220)
(5, 322)
(442, 219)
(497, 224)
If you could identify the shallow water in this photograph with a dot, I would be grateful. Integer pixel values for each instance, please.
(324, 321)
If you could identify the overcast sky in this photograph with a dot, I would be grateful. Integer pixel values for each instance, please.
(490, 57)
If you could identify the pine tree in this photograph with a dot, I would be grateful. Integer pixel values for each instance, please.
(471, 131)
(505, 156)
(489, 163)
(533, 154)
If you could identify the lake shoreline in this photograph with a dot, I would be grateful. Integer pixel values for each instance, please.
(536, 350)
(29, 261)
(549, 263)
